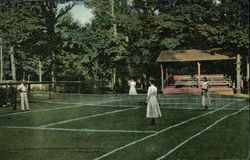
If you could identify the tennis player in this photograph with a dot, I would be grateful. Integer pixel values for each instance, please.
(153, 108)
(132, 90)
(205, 95)
(23, 95)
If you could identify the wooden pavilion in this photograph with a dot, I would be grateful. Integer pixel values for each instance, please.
(191, 83)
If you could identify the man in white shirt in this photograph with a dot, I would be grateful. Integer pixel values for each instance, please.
(23, 95)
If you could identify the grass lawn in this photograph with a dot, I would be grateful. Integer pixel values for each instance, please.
(112, 127)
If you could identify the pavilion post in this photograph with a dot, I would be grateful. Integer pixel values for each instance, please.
(167, 74)
(162, 78)
(199, 74)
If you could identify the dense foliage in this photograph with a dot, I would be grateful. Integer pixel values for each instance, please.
(38, 31)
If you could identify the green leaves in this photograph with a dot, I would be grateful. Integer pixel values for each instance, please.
(144, 28)
(170, 43)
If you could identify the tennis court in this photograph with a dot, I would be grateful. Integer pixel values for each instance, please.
(114, 126)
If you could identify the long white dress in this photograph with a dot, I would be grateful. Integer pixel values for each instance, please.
(153, 108)
(205, 102)
(132, 90)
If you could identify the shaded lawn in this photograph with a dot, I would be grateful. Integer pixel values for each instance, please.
(226, 142)
(45, 117)
(24, 144)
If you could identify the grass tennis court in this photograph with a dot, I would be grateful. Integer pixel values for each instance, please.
(113, 126)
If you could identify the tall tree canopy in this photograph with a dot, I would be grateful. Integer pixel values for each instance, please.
(124, 38)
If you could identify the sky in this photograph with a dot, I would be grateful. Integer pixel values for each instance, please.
(79, 12)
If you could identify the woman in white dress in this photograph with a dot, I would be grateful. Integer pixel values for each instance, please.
(132, 90)
(153, 108)
(205, 95)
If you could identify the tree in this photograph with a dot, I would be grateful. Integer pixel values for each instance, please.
(16, 28)
(125, 35)
(30, 31)
(227, 27)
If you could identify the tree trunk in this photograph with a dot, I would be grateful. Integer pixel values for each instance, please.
(40, 71)
(23, 74)
(238, 70)
(115, 36)
(13, 66)
(28, 77)
(53, 79)
(52, 76)
(113, 18)
(129, 67)
(1, 60)
(114, 78)
(247, 78)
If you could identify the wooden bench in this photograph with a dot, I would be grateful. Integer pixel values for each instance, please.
(186, 83)
(220, 83)
(214, 80)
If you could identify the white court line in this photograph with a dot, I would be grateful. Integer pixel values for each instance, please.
(199, 133)
(106, 105)
(185, 108)
(116, 105)
(99, 102)
(39, 110)
(161, 131)
(132, 105)
(179, 103)
(186, 98)
(57, 102)
(56, 108)
(222, 99)
(86, 117)
(80, 130)
(95, 103)
(212, 96)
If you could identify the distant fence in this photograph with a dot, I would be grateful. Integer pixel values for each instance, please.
(9, 94)
(8, 90)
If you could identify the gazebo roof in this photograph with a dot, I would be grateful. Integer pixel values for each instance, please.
(190, 55)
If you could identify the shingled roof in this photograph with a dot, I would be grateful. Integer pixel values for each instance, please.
(190, 55)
